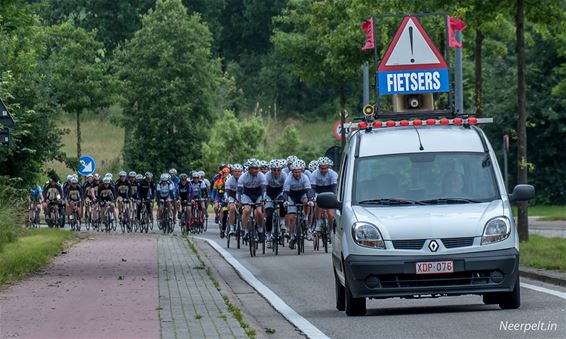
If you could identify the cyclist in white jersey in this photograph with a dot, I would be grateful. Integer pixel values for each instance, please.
(324, 179)
(296, 190)
(251, 190)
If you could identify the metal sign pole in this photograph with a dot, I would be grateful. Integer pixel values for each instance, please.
(459, 89)
(366, 83)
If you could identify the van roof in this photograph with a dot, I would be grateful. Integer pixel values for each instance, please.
(406, 140)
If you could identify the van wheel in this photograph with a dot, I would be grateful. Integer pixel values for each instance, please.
(354, 306)
(511, 300)
(340, 293)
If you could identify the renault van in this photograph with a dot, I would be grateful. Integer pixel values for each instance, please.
(422, 211)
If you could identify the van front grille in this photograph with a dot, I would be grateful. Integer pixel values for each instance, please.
(447, 279)
(458, 242)
(411, 244)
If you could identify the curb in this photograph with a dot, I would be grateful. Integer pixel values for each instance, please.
(550, 277)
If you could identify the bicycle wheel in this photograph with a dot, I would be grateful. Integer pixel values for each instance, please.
(275, 233)
(251, 236)
(324, 230)
(238, 230)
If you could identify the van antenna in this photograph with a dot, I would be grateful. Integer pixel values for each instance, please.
(421, 148)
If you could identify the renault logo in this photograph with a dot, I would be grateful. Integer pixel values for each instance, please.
(433, 246)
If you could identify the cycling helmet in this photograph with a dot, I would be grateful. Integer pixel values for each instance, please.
(247, 163)
(132, 174)
(237, 167)
(139, 177)
(254, 163)
(324, 161)
(69, 177)
(106, 180)
(275, 164)
(74, 180)
(313, 165)
(164, 177)
(148, 175)
(183, 176)
(225, 170)
(108, 175)
(195, 174)
(298, 164)
(201, 173)
(291, 159)
(263, 164)
(89, 176)
(122, 174)
(173, 171)
(96, 176)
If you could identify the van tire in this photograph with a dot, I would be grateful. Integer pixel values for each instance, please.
(354, 306)
(511, 300)
(340, 293)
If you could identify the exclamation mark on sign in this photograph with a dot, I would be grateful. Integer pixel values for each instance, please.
(411, 39)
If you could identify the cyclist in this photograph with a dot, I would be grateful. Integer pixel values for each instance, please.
(199, 191)
(122, 187)
(175, 181)
(134, 198)
(219, 199)
(106, 195)
(264, 167)
(205, 185)
(52, 195)
(165, 191)
(275, 180)
(313, 166)
(219, 174)
(35, 203)
(231, 189)
(184, 197)
(146, 192)
(252, 190)
(324, 179)
(90, 191)
(296, 190)
(290, 160)
(73, 197)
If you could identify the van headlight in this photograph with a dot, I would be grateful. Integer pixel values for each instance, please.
(367, 235)
(497, 229)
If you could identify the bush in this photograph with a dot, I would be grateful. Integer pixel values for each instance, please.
(11, 219)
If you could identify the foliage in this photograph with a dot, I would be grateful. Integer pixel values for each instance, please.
(114, 21)
(288, 142)
(233, 140)
(11, 217)
(169, 87)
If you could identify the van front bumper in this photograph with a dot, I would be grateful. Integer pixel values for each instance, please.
(395, 276)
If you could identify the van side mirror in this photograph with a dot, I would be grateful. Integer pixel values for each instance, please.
(522, 193)
(328, 201)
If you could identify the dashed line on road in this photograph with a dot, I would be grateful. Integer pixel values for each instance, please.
(296, 319)
(544, 290)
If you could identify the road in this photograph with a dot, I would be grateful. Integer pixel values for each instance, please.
(306, 284)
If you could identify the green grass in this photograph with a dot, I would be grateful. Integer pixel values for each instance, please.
(101, 138)
(547, 213)
(543, 252)
(30, 252)
(10, 218)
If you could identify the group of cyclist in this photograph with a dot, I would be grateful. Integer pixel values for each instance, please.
(280, 184)
(236, 191)
(125, 198)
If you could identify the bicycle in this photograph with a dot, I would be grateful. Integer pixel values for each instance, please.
(197, 220)
(88, 214)
(53, 216)
(184, 219)
(300, 229)
(276, 236)
(108, 216)
(321, 235)
(32, 219)
(125, 222)
(252, 232)
(145, 219)
(74, 218)
(166, 218)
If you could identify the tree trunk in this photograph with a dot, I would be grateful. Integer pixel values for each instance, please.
(78, 135)
(342, 118)
(478, 69)
(522, 216)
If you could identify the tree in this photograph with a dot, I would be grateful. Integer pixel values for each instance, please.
(78, 73)
(288, 143)
(169, 88)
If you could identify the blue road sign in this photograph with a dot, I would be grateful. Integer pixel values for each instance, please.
(88, 165)
(408, 82)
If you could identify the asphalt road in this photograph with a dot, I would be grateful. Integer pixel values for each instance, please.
(306, 284)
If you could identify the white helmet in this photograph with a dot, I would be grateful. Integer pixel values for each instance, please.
(173, 171)
(195, 174)
(139, 177)
(69, 177)
(313, 165)
(291, 159)
(298, 164)
(108, 175)
(275, 164)
(132, 174)
(122, 174)
(164, 177)
(201, 173)
(263, 164)
(74, 180)
(106, 180)
(237, 167)
(324, 161)
(254, 163)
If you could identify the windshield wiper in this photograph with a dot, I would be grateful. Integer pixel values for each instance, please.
(391, 201)
(449, 201)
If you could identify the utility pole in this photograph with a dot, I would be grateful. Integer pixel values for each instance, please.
(458, 86)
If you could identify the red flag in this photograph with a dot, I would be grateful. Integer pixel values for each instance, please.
(454, 25)
(367, 27)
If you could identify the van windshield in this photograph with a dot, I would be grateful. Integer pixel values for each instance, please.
(425, 179)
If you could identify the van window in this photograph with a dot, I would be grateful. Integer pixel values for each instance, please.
(425, 178)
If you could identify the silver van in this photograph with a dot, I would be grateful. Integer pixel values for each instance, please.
(423, 211)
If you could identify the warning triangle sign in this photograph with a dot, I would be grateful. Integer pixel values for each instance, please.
(411, 48)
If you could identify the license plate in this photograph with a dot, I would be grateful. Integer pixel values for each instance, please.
(435, 267)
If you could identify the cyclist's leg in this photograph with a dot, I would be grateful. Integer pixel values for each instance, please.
(232, 215)
(291, 217)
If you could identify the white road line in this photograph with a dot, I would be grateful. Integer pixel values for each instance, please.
(544, 290)
(296, 319)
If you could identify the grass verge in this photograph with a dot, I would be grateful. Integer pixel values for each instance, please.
(30, 252)
(546, 213)
(251, 333)
(544, 252)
